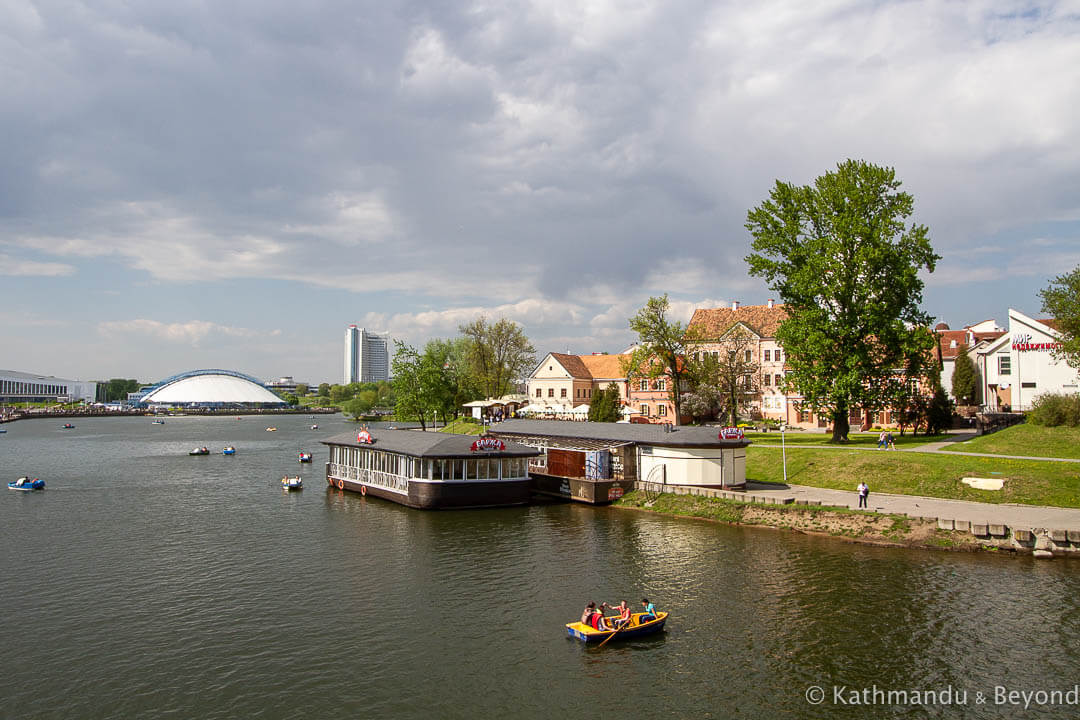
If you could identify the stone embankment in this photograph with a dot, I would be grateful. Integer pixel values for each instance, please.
(913, 528)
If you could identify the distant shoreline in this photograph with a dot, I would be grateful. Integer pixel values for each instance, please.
(22, 415)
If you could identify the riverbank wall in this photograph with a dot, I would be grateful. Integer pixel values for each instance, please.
(875, 528)
(63, 414)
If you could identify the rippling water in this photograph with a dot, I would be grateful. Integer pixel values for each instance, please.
(146, 583)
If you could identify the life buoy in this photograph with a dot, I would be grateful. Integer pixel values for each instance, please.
(340, 484)
(363, 489)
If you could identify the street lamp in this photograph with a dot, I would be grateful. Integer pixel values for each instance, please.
(783, 449)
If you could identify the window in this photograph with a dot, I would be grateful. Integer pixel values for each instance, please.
(661, 409)
(768, 355)
(776, 357)
(748, 381)
(779, 380)
(539, 392)
(731, 355)
(1004, 365)
(551, 392)
(766, 377)
(643, 385)
(1027, 384)
(644, 409)
(747, 356)
(562, 393)
(804, 416)
(661, 384)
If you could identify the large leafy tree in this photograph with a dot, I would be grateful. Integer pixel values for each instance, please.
(1061, 299)
(662, 346)
(496, 354)
(847, 266)
(733, 372)
(965, 379)
(419, 386)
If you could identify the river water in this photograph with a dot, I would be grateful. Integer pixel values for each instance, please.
(146, 583)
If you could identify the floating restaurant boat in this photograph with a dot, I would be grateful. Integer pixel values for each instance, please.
(305, 457)
(200, 451)
(583, 632)
(67, 426)
(430, 470)
(25, 484)
(229, 450)
(292, 483)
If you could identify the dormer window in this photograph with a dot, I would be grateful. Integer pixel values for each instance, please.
(952, 343)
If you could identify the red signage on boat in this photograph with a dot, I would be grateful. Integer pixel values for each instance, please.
(488, 443)
(364, 437)
(731, 433)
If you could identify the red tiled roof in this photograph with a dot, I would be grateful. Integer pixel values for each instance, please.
(603, 367)
(714, 322)
(946, 338)
(573, 365)
(1050, 323)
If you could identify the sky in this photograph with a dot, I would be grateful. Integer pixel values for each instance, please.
(230, 185)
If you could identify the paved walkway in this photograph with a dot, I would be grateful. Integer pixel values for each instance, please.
(1010, 514)
(1014, 516)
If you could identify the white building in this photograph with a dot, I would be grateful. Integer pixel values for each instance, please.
(1019, 366)
(367, 356)
(27, 387)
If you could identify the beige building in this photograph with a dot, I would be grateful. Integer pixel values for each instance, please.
(565, 381)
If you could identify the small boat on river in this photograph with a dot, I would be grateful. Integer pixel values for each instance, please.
(25, 484)
(271, 429)
(315, 426)
(229, 450)
(292, 483)
(67, 426)
(635, 629)
(200, 451)
(158, 421)
(304, 457)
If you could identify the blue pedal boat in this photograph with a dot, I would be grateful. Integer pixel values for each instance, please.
(25, 484)
(229, 450)
(636, 629)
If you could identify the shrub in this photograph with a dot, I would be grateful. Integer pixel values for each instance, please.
(1055, 409)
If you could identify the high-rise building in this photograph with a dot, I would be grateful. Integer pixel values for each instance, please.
(367, 355)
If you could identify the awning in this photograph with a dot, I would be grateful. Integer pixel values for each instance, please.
(581, 410)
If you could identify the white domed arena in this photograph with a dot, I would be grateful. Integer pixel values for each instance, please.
(210, 389)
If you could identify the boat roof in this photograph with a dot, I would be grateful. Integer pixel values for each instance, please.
(636, 433)
(429, 444)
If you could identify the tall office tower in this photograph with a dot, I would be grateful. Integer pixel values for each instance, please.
(367, 355)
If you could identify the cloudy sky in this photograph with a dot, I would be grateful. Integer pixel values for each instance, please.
(230, 184)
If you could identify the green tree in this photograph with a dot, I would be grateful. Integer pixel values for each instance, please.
(662, 346)
(118, 388)
(301, 389)
(324, 389)
(939, 414)
(420, 387)
(733, 372)
(289, 398)
(847, 267)
(965, 378)
(496, 354)
(1061, 300)
(339, 393)
(360, 405)
(605, 405)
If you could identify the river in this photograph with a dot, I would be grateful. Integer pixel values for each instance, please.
(146, 583)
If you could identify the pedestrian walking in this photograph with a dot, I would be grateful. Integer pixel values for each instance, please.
(892, 445)
(882, 440)
(864, 492)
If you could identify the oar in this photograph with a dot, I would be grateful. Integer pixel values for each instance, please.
(612, 635)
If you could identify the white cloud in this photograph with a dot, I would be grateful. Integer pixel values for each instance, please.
(15, 267)
(191, 332)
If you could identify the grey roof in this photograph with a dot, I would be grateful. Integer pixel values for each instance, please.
(429, 444)
(637, 433)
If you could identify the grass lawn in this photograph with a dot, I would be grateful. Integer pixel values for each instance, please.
(1059, 442)
(1029, 482)
(855, 439)
(461, 427)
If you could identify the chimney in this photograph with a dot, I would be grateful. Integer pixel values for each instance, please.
(771, 303)
(734, 304)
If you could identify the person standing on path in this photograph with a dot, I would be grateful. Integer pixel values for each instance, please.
(892, 445)
(864, 492)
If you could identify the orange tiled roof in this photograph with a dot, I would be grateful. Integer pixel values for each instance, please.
(573, 365)
(1051, 323)
(604, 367)
(714, 322)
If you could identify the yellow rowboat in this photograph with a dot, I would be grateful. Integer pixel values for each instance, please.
(636, 628)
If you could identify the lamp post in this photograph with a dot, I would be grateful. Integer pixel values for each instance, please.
(783, 449)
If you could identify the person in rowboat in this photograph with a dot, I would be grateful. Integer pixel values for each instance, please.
(650, 611)
(594, 618)
(624, 615)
